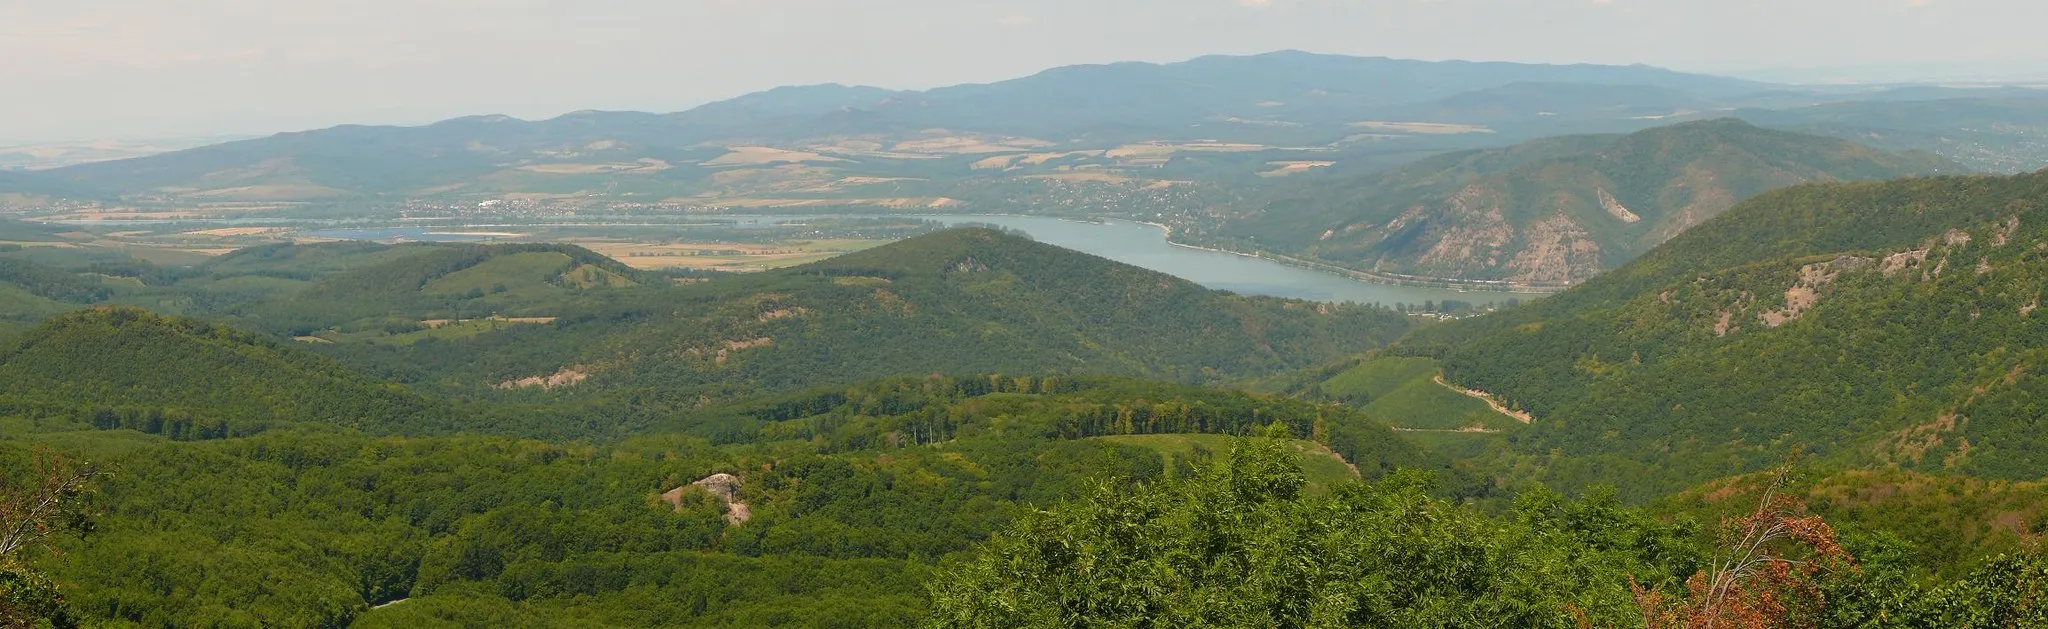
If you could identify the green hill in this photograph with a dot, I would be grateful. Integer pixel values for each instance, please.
(122, 367)
(1872, 324)
(1549, 212)
(961, 301)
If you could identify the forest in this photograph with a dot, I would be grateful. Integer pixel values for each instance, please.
(971, 429)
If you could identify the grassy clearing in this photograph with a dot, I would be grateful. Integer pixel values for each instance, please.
(1379, 377)
(593, 276)
(1323, 467)
(523, 275)
(1402, 393)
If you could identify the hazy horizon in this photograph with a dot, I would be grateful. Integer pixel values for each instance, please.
(127, 69)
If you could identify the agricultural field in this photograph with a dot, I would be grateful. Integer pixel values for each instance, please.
(724, 256)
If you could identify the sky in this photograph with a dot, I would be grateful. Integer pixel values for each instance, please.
(105, 69)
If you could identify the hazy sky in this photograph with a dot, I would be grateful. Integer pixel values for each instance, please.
(77, 69)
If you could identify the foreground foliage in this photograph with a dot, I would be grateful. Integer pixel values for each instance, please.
(854, 494)
(50, 496)
(1242, 546)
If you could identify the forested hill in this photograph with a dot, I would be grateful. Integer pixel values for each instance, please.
(386, 285)
(1887, 323)
(1552, 211)
(127, 368)
(960, 301)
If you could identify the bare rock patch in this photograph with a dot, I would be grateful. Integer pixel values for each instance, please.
(567, 377)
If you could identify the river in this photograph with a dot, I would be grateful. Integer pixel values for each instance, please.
(1137, 244)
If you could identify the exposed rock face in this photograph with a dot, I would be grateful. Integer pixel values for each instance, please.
(2005, 232)
(1902, 261)
(725, 487)
(1557, 251)
(1468, 236)
(1806, 292)
(567, 377)
(1614, 207)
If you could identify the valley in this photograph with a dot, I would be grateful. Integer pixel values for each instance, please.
(753, 242)
(1282, 340)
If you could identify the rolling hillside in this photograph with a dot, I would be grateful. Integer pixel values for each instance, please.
(376, 286)
(127, 368)
(1888, 324)
(1550, 212)
(961, 301)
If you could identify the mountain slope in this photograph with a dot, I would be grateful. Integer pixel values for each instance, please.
(961, 301)
(1874, 324)
(122, 367)
(1549, 212)
(1296, 86)
(2000, 131)
(38, 185)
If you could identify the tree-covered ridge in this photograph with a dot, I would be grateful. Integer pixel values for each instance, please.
(29, 292)
(1886, 324)
(128, 368)
(1548, 212)
(51, 284)
(904, 412)
(448, 281)
(961, 301)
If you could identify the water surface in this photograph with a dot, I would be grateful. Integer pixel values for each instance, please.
(1143, 245)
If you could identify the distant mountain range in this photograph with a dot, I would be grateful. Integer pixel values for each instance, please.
(1202, 120)
(863, 145)
(1290, 152)
(1548, 212)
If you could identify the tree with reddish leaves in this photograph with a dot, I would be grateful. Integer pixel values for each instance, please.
(1766, 574)
(51, 498)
